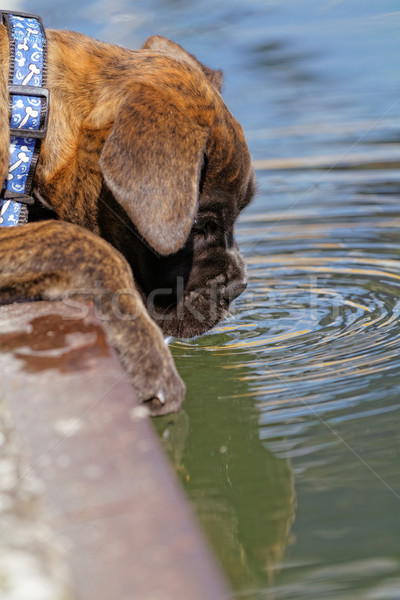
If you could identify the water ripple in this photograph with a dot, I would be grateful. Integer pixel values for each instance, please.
(322, 309)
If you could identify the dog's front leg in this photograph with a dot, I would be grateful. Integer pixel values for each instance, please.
(56, 260)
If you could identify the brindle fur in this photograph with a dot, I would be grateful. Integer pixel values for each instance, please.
(139, 144)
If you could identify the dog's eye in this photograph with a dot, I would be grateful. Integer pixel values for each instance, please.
(204, 226)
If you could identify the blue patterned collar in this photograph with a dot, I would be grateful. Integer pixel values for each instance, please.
(29, 100)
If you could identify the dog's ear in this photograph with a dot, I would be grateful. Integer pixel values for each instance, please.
(152, 163)
(162, 44)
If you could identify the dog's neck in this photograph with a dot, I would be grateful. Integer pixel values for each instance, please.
(22, 40)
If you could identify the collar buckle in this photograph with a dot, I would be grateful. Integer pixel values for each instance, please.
(37, 92)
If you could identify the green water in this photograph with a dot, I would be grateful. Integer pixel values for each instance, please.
(288, 444)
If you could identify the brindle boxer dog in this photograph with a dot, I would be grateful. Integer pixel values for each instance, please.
(146, 171)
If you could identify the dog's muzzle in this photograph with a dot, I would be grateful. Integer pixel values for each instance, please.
(234, 289)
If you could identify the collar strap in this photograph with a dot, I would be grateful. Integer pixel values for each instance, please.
(29, 110)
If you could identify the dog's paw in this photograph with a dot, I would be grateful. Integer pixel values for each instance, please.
(165, 403)
(170, 394)
(153, 374)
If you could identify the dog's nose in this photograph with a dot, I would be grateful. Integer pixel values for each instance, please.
(234, 289)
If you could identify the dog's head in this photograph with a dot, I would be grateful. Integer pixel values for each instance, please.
(177, 167)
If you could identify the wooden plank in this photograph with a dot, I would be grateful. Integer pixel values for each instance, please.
(108, 488)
